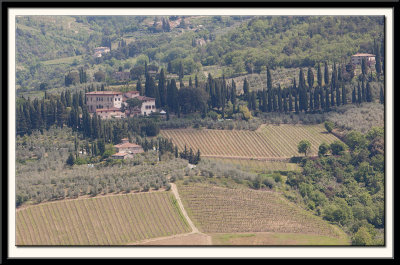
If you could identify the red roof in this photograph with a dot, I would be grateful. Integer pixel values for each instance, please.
(103, 93)
(144, 98)
(364, 55)
(120, 154)
(126, 145)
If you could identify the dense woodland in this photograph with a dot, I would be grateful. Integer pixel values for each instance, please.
(189, 65)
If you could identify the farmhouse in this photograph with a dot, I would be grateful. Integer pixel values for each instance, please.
(121, 76)
(357, 58)
(129, 148)
(121, 156)
(126, 149)
(98, 51)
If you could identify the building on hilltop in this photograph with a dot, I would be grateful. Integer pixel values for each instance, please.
(109, 103)
(103, 100)
(357, 58)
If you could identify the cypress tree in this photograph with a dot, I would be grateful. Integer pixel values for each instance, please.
(280, 107)
(296, 104)
(162, 89)
(319, 75)
(310, 78)
(274, 101)
(264, 101)
(332, 103)
(233, 92)
(381, 96)
(290, 102)
(326, 74)
(269, 80)
(353, 96)
(378, 66)
(344, 95)
(327, 103)
(303, 100)
(364, 94)
(368, 93)
(322, 98)
(285, 105)
(196, 82)
(316, 99)
(245, 89)
(359, 94)
(338, 101)
(311, 101)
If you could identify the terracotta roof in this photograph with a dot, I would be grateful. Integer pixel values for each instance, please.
(144, 98)
(126, 145)
(120, 154)
(364, 54)
(103, 93)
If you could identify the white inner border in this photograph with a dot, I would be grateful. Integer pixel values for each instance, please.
(229, 252)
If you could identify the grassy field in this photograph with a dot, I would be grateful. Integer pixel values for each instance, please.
(109, 220)
(222, 210)
(268, 142)
(66, 60)
(258, 165)
(286, 239)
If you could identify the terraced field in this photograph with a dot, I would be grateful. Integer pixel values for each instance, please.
(269, 142)
(109, 220)
(222, 210)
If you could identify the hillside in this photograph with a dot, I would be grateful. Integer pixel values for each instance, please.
(233, 46)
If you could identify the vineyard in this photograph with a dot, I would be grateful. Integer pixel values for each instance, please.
(221, 210)
(109, 220)
(269, 142)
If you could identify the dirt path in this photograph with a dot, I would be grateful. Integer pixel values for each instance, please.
(195, 237)
(178, 198)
